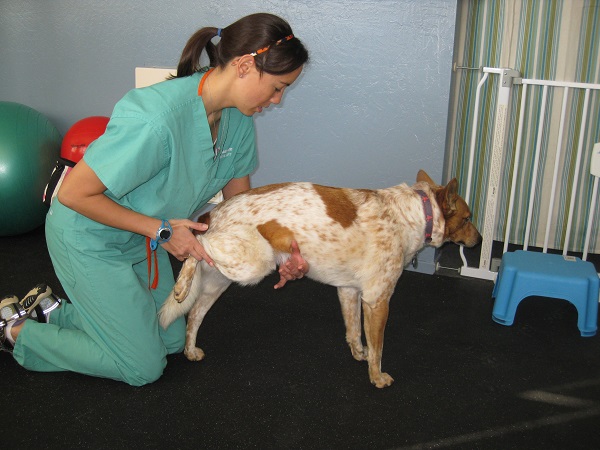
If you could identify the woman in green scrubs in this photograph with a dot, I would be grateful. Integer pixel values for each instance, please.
(167, 150)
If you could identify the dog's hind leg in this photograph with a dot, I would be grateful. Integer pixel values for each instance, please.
(207, 291)
(350, 302)
(242, 255)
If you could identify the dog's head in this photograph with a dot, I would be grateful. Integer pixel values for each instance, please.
(457, 215)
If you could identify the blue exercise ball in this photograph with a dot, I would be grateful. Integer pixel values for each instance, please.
(29, 149)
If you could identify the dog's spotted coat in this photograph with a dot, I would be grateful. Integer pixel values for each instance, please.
(358, 240)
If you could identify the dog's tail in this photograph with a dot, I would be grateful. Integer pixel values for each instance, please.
(172, 309)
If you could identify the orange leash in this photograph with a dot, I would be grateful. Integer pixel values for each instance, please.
(149, 254)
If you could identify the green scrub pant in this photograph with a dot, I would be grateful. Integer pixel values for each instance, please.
(110, 329)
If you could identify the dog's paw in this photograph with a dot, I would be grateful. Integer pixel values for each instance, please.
(181, 289)
(194, 354)
(359, 353)
(382, 380)
(185, 278)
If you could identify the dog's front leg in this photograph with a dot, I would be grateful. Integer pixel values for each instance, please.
(376, 315)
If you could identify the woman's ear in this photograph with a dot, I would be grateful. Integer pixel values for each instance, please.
(244, 65)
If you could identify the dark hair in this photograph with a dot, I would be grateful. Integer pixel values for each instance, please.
(243, 37)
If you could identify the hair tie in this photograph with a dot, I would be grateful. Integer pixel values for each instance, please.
(218, 32)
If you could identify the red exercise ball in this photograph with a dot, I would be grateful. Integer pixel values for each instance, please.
(80, 135)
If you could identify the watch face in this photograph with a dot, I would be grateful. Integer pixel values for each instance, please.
(164, 233)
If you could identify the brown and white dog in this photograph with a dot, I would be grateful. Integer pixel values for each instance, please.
(358, 240)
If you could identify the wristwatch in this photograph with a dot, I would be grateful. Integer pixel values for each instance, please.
(163, 234)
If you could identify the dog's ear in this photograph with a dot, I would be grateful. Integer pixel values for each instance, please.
(452, 193)
(447, 196)
(422, 176)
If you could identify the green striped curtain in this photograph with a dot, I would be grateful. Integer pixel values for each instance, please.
(549, 40)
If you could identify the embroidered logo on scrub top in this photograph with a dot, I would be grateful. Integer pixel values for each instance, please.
(226, 153)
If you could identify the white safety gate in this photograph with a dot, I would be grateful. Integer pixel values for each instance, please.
(539, 179)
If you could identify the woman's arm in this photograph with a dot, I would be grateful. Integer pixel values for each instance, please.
(235, 186)
(83, 192)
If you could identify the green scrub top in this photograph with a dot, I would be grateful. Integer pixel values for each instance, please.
(157, 155)
(157, 158)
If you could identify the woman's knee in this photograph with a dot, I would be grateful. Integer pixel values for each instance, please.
(145, 371)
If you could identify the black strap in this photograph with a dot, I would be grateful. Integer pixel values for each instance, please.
(55, 177)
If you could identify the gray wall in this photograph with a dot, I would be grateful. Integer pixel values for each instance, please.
(369, 110)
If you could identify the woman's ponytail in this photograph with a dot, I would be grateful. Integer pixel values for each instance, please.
(189, 63)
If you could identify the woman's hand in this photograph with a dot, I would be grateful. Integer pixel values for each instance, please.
(294, 268)
(183, 242)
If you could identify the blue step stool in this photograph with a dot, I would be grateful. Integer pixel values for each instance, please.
(524, 273)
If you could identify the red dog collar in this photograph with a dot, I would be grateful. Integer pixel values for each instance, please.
(428, 210)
